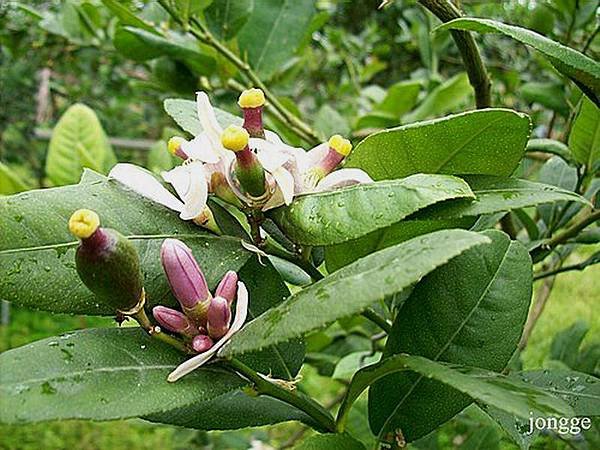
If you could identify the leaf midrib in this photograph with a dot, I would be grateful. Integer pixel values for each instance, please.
(445, 347)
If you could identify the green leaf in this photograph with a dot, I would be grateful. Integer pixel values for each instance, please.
(490, 388)
(550, 95)
(100, 374)
(78, 141)
(556, 172)
(184, 112)
(566, 343)
(490, 141)
(273, 32)
(37, 252)
(584, 140)
(447, 97)
(226, 18)
(231, 411)
(329, 122)
(584, 71)
(330, 442)
(10, 181)
(495, 194)
(126, 17)
(336, 216)
(352, 289)
(579, 390)
(551, 146)
(484, 438)
(470, 312)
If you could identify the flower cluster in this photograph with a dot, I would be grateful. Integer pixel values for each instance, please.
(244, 165)
(205, 323)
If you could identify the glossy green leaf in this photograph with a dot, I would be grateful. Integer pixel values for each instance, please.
(225, 18)
(490, 141)
(231, 411)
(126, 17)
(78, 141)
(273, 32)
(100, 374)
(513, 396)
(584, 140)
(352, 289)
(581, 391)
(556, 172)
(550, 95)
(445, 98)
(584, 71)
(551, 146)
(185, 114)
(37, 252)
(330, 442)
(470, 312)
(336, 216)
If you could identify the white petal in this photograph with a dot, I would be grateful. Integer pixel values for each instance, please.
(208, 120)
(200, 148)
(241, 311)
(285, 182)
(316, 154)
(269, 155)
(189, 181)
(343, 177)
(144, 183)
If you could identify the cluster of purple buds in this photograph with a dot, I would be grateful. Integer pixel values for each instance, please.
(204, 318)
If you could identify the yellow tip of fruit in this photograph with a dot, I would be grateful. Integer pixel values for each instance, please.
(340, 145)
(251, 98)
(235, 138)
(174, 144)
(83, 223)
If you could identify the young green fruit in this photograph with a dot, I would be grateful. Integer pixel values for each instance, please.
(107, 263)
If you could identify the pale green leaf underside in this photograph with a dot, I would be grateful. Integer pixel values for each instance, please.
(352, 289)
(100, 374)
(185, 114)
(584, 139)
(581, 69)
(337, 216)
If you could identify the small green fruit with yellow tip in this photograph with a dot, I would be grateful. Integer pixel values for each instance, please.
(107, 263)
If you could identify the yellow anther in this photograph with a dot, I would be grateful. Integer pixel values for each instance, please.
(340, 144)
(235, 138)
(174, 144)
(83, 223)
(251, 98)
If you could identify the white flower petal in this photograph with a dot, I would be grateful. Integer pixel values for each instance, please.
(200, 148)
(316, 154)
(269, 155)
(145, 184)
(285, 182)
(189, 181)
(208, 120)
(241, 311)
(343, 177)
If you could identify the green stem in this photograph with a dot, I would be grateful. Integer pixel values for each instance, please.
(378, 320)
(304, 403)
(156, 333)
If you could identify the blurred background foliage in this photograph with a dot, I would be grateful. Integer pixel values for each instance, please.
(82, 85)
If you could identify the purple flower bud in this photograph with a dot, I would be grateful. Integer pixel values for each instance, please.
(201, 343)
(227, 288)
(174, 321)
(219, 316)
(185, 276)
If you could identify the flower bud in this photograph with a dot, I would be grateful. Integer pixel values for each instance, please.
(248, 170)
(227, 288)
(219, 316)
(202, 343)
(252, 101)
(175, 147)
(107, 262)
(174, 321)
(186, 279)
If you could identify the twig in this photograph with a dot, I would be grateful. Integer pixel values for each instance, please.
(478, 77)
(542, 295)
(378, 320)
(594, 259)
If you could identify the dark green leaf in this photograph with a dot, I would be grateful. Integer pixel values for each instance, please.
(550, 95)
(78, 141)
(565, 345)
(184, 112)
(490, 388)
(556, 172)
(471, 312)
(490, 142)
(584, 140)
(551, 146)
(126, 17)
(584, 71)
(330, 442)
(225, 18)
(100, 374)
(337, 216)
(273, 32)
(352, 289)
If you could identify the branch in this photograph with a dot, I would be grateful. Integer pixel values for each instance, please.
(594, 259)
(478, 77)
